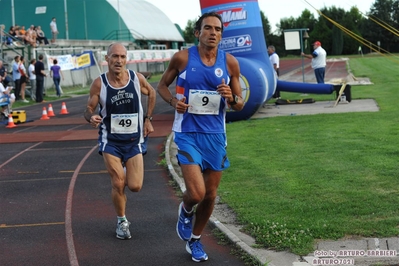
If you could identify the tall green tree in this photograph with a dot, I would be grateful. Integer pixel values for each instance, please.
(265, 23)
(270, 38)
(322, 32)
(337, 41)
(188, 32)
(333, 42)
(382, 13)
(395, 14)
(305, 21)
(352, 21)
(338, 29)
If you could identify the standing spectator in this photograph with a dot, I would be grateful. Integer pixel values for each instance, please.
(54, 30)
(16, 76)
(199, 125)
(40, 36)
(32, 79)
(123, 127)
(3, 73)
(40, 75)
(318, 57)
(56, 74)
(275, 61)
(24, 78)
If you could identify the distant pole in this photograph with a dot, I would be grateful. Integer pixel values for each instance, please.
(303, 68)
(119, 20)
(298, 44)
(66, 20)
(12, 13)
(303, 36)
(84, 8)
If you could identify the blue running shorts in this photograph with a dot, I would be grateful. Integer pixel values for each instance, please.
(123, 151)
(206, 150)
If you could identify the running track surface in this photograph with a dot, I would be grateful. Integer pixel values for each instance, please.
(56, 208)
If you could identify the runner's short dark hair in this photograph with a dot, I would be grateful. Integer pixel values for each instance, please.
(198, 24)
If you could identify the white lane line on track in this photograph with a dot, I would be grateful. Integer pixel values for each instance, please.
(28, 225)
(18, 154)
(68, 212)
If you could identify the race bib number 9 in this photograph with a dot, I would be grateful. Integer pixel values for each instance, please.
(124, 123)
(204, 102)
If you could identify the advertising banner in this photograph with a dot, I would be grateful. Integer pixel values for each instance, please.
(72, 62)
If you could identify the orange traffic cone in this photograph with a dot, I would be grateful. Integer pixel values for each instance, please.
(10, 122)
(44, 114)
(64, 110)
(50, 110)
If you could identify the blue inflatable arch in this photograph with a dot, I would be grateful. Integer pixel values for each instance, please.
(243, 37)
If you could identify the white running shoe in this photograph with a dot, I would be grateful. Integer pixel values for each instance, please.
(122, 230)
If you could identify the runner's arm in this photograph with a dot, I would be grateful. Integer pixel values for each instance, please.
(234, 71)
(94, 98)
(177, 63)
(149, 91)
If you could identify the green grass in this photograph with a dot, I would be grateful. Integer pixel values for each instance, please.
(68, 92)
(297, 179)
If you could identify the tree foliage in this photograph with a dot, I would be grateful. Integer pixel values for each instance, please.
(265, 23)
(383, 17)
(338, 30)
(188, 33)
(270, 39)
(352, 26)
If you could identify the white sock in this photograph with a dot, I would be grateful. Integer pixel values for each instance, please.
(121, 218)
(194, 237)
(188, 212)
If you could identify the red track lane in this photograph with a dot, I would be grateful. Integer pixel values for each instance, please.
(292, 71)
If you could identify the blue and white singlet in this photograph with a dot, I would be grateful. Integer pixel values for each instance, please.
(198, 83)
(121, 112)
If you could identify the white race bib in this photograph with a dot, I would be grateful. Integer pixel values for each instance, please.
(204, 102)
(124, 123)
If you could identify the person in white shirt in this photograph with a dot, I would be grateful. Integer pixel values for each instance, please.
(6, 95)
(54, 30)
(318, 57)
(24, 77)
(275, 61)
(32, 79)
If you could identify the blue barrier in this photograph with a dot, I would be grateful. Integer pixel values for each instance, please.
(305, 87)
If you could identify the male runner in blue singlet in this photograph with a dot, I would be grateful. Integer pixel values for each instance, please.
(122, 127)
(207, 84)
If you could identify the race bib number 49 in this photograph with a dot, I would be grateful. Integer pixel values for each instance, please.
(204, 102)
(124, 123)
